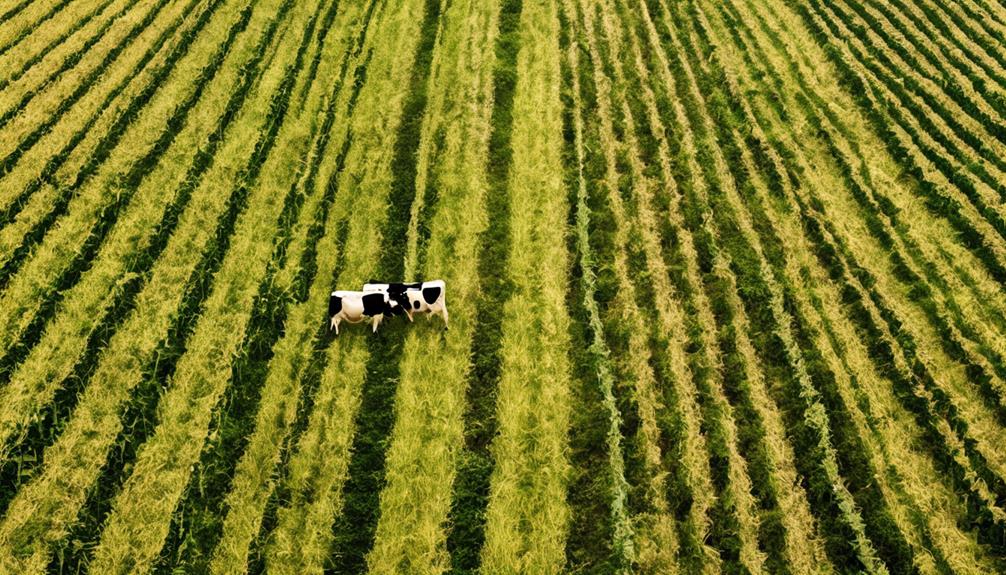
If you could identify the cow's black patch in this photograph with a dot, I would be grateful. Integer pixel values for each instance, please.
(431, 294)
(416, 304)
(373, 304)
(334, 305)
(398, 287)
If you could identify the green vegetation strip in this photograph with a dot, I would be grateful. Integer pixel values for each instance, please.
(527, 516)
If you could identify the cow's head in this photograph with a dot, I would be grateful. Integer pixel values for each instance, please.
(398, 303)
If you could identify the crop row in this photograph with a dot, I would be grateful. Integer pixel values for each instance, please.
(77, 457)
(253, 480)
(865, 231)
(32, 384)
(135, 529)
(962, 394)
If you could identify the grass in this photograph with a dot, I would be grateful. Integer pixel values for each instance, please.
(726, 282)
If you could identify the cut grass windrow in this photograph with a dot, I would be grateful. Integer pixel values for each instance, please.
(82, 229)
(140, 519)
(51, 36)
(947, 136)
(527, 516)
(429, 427)
(854, 354)
(320, 460)
(355, 529)
(83, 306)
(12, 194)
(43, 207)
(78, 456)
(917, 377)
(738, 524)
(66, 349)
(254, 474)
(648, 387)
(770, 457)
(750, 219)
(14, 9)
(27, 114)
(197, 522)
(948, 192)
(754, 269)
(45, 174)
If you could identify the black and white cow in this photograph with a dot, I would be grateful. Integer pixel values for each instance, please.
(356, 306)
(420, 297)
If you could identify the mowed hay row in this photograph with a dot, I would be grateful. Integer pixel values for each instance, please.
(725, 285)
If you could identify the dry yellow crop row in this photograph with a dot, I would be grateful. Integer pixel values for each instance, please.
(138, 524)
(44, 508)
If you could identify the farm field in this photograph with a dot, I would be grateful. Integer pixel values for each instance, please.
(725, 278)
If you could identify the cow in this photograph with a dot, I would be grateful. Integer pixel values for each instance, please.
(355, 306)
(420, 297)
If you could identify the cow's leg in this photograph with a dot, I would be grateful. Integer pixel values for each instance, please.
(443, 314)
(377, 321)
(334, 324)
